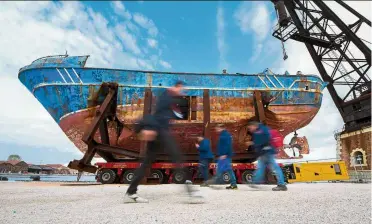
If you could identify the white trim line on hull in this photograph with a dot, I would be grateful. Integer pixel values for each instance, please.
(263, 81)
(82, 110)
(69, 75)
(60, 75)
(77, 75)
(270, 81)
(280, 81)
(74, 112)
(188, 88)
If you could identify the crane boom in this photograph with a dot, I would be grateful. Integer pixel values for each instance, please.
(342, 58)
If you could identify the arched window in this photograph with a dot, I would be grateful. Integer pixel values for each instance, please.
(358, 157)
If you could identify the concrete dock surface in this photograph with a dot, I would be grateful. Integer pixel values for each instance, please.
(38, 202)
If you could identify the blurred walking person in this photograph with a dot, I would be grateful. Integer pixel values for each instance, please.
(263, 142)
(155, 130)
(225, 152)
(205, 158)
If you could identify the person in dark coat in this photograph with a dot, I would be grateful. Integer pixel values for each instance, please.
(154, 129)
(266, 155)
(205, 158)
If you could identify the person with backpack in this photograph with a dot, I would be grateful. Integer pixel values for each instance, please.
(205, 158)
(266, 142)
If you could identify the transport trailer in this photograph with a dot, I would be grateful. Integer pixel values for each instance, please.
(163, 173)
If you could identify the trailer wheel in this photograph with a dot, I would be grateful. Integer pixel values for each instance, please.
(107, 176)
(247, 176)
(128, 176)
(158, 174)
(226, 179)
(179, 177)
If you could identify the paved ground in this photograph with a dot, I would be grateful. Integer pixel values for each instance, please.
(303, 203)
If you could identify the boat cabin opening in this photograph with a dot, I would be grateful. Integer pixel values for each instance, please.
(187, 105)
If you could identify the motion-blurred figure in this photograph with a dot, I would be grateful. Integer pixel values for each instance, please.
(155, 130)
(266, 152)
(205, 158)
(225, 152)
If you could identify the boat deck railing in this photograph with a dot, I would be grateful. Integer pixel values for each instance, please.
(52, 56)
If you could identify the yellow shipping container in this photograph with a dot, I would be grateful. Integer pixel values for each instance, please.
(317, 171)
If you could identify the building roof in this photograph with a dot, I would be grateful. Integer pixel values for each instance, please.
(34, 167)
(45, 167)
(13, 162)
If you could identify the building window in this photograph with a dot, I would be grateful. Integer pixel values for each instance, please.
(358, 157)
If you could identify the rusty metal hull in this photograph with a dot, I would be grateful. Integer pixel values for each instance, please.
(185, 131)
(68, 92)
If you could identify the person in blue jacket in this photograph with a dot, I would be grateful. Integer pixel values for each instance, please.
(205, 157)
(225, 153)
(266, 155)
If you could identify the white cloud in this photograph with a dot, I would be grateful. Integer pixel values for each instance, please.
(146, 23)
(253, 17)
(35, 29)
(146, 64)
(221, 45)
(165, 64)
(152, 43)
(119, 9)
(128, 39)
(257, 52)
(132, 27)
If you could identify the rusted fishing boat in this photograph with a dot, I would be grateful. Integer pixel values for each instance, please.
(70, 92)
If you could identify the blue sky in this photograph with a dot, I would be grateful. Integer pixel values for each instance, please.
(168, 36)
(188, 30)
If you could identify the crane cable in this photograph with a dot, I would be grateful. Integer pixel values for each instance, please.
(285, 56)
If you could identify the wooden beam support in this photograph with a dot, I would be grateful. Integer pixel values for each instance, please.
(206, 114)
(193, 107)
(143, 147)
(258, 106)
(105, 139)
(146, 110)
(107, 108)
(100, 114)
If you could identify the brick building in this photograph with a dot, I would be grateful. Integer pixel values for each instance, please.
(355, 149)
(13, 166)
(5, 167)
(59, 169)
